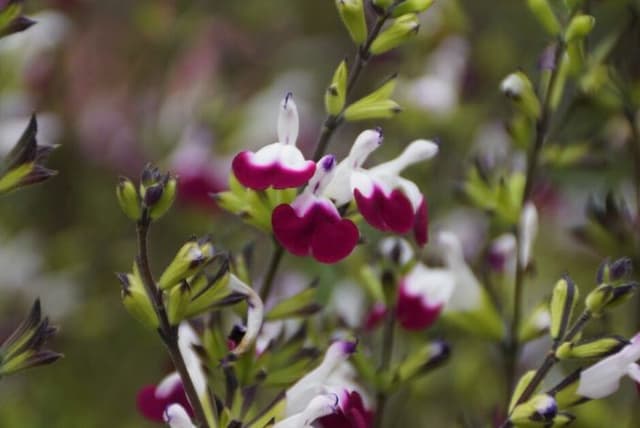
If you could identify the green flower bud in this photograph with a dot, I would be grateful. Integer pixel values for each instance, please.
(376, 105)
(522, 385)
(536, 324)
(401, 30)
(541, 408)
(382, 4)
(302, 304)
(157, 191)
(128, 199)
(609, 272)
(335, 95)
(11, 18)
(191, 258)
(23, 165)
(563, 301)
(165, 201)
(23, 349)
(594, 348)
(563, 419)
(136, 301)
(352, 14)
(411, 6)
(545, 15)
(579, 27)
(518, 87)
(607, 296)
(177, 301)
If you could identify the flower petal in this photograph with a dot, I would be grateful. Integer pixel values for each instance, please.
(332, 242)
(275, 165)
(392, 212)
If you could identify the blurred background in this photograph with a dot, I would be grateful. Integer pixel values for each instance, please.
(186, 84)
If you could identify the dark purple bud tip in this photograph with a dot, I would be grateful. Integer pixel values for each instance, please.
(287, 97)
(328, 162)
(621, 268)
(349, 347)
(381, 135)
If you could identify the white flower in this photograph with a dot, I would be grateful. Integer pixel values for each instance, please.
(187, 339)
(177, 417)
(603, 378)
(467, 294)
(528, 230)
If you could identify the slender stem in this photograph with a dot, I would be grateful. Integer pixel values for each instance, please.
(267, 285)
(634, 148)
(385, 362)
(168, 333)
(550, 360)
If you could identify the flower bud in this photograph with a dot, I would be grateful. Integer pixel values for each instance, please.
(136, 301)
(609, 272)
(594, 348)
(411, 6)
(545, 15)
(191, 258)
(563, 419)
(11, 19)
(579, 27)
(128, 199)
(423, 360)
(376, 105)
(352, 15)
(177, 301)
(400, 31)
(157, 191)
(335, 95)
(540, 408)
(382, 4)
(518, 87)
(563, 301)
(165, 201)
(536, 324)
(607, 296)
(23, 349)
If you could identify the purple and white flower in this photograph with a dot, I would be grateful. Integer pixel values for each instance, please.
(312, 225)
(280, 165)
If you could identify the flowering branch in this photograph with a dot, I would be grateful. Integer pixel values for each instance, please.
(168, 333)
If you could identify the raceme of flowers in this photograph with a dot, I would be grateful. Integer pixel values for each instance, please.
(312, 225)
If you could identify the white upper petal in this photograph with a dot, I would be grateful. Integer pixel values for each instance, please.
(393, 243)
(167, 385)
(319, 406)
(288, 122)
(435, 286)
(255, 313)
(177, 417)
(417, 151)
(187, 338)
(285, 155)
(411, 191)
(364, 145)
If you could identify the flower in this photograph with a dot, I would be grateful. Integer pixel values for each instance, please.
(351, 413)
(152, 400)
(422, 294)
(528, 229)
(387, 201)
(280, 164)
(603, 378)
(314, 396)
(312, 225)
(177, 417)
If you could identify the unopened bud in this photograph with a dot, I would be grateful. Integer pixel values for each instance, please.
(352, 15)
(136, 301)
(545, 15)
(423, 360)
(376, 105)
(541, 408)
(401, 30)
(335, 95)
(607, 296)
(411, 6)
(521, 386)
(177, 301)
(595, 348)
(579, 27)
(563, 301)
(128, 198)
(518, 87)
(609, 272)
(191, 258)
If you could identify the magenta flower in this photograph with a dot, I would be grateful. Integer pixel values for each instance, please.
(422, 295)
(281, 164)
(387, 201)
(152, 400)
(351, 413)
(312, 225)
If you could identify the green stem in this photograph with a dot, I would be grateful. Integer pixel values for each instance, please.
(385, 362)
(168, 333)
(267, 285)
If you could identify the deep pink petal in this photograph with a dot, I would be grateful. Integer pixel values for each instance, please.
(421, 224)
(413, 313)
(332, 242)
(152, 407)
(260, 177)
(292, 232)
(375, 316)
(352, 414)
(387, 213)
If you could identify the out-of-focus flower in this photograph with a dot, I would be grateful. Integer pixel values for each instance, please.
(502, 253)
(281, 164)
(387, 201)
(528, 229)
(438, 89)
(603, 378)
(177, 417)
(199, 173)
(397, 250)
(422, 294)
(312, 225)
